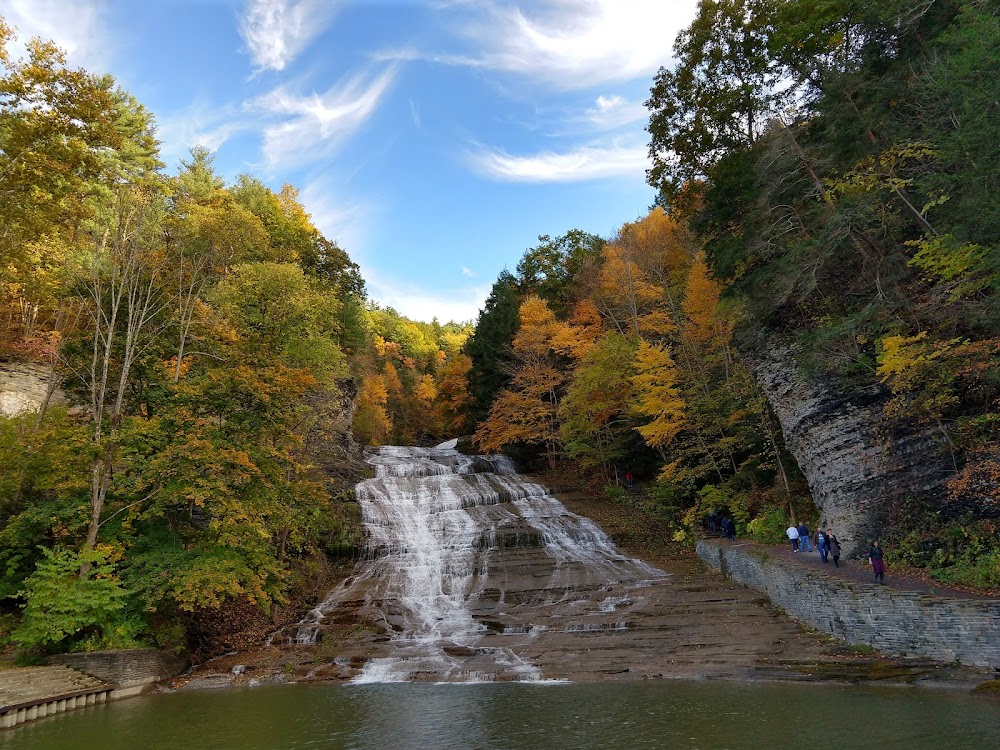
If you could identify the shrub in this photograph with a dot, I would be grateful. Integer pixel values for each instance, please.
(769, 527)
(981, 572)
(63, 610)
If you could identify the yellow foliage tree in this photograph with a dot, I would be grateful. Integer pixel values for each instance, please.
(371, 421)
(643, 275)
(527, 411)
(453, 395)
(705, 325)
(657, 394)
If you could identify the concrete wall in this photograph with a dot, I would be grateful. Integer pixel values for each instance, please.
(895, 622)
(129, 670)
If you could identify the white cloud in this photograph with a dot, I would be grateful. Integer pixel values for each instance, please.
(468, 272)
(340, 220)
(583, 163)
(199, 125)
(316, 125)
(458, 304)
(608, 103)
(277, 31)
(79, 28)
(574, 43)
(611, 112)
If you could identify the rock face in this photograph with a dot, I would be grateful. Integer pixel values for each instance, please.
(23, 387)
(328, 440)
(855, 472)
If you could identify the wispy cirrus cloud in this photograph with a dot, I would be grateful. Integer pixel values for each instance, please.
(80, 28)
(199, 125)
(314, 125)
(580, 164)
(342, 220)
(277, 31)
(568, 44)
(611, 112)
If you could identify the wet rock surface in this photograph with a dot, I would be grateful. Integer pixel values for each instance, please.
(527, 589)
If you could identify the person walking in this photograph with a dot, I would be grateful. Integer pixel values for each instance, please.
(804, 538)
(876, 556)
(834, 544)
(792, 532)
(729, 528)
(821, 544)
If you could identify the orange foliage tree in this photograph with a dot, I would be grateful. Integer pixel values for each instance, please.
(528, 410)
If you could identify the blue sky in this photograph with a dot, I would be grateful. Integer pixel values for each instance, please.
(434, 140)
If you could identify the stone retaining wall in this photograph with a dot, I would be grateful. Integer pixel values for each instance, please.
(905, 623)
(129, 670)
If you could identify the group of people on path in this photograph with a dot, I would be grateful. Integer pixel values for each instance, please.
(828, 546)
(827, 543)
(726, 525)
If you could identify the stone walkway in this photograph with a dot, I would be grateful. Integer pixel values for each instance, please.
(34, 683)
(861, 572)
(28, 693)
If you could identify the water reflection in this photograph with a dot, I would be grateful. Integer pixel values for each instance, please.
(681, 716)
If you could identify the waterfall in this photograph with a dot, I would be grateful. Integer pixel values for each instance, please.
(467, 563)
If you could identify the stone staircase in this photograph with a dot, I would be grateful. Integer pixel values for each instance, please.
(30, 693)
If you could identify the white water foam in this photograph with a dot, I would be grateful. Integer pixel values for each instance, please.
(435, 521)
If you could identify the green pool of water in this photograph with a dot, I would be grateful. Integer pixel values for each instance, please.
(710, 716)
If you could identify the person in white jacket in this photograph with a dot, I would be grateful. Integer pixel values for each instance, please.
(793, 537)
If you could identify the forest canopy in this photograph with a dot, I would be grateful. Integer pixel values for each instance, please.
(211, 341)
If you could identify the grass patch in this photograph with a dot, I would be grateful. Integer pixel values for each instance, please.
(990, 688)
(861, 649)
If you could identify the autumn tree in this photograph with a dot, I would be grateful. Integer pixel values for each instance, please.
(657, 395)
(55, 124)
(527, 411)
(124, 306)
(719, 96)
(452, 402)
(595, 411)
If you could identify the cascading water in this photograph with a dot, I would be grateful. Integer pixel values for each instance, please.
(468, 565)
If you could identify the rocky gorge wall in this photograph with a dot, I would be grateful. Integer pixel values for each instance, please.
(854, 471)
(23, 386)
(904, 623)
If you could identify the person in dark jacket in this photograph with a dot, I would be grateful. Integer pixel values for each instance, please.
(876, 556)
(804, 538)
(822, 544)
(729, 528)
(834, 545)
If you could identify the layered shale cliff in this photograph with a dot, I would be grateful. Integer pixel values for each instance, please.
(857, 468)
(24, 387)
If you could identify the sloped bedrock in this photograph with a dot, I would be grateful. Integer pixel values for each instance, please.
(473, 576)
